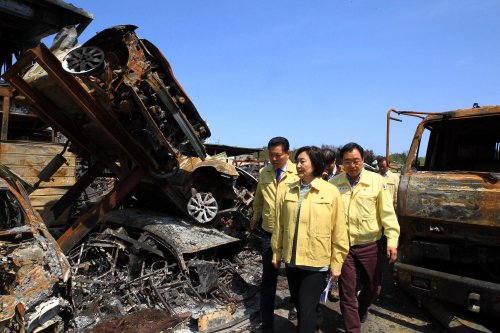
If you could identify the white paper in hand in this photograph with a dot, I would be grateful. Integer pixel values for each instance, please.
(324, 295)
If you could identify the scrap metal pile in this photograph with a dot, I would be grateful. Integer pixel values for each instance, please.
(119, 272)
(144, 270)
(33, 270)
(161, 239)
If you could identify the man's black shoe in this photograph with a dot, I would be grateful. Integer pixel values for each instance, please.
(292, 315)
(260, 328)
(363, 315)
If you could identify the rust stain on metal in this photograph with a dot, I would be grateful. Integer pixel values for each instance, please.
(33, 267)
(130, 108)
(449, 208)
(214, 319)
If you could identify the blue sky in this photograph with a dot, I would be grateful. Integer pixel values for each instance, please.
(319, 71)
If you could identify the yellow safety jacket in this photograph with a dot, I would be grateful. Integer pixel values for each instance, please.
(392, 182)
(264, 204)
(322, 239)
(367, 209)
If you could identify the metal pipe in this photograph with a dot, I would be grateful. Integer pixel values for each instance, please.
(388, 130)
(5, 118)
(416, 112)
(413, 115)
(160, 297)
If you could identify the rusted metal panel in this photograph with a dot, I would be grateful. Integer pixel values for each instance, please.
(35, 268)
(70, 196)
(5, 118)
(484, 111)
(179, 233)
(55, 181)
(92, 109)
(49, 191)
(81, 227)
(214, 319)
(49, 200)
(187, 165)
(451, 288)
(452, 318)
(36, 148)
(32, 170)
(29, 158)
(453, 197)
(52, 115)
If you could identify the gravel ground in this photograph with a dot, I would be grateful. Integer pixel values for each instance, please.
(393, 311)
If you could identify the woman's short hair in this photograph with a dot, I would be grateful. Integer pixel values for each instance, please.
(316, 156)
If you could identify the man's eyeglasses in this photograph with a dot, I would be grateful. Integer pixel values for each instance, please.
(349, 162)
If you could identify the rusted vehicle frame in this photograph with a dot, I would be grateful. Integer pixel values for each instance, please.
(42, 55)
(39, 269)
(451, 288)
(389, 118)
(440, 211)
(81, 227)
(69, 197)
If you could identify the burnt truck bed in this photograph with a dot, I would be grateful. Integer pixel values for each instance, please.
(449, 211)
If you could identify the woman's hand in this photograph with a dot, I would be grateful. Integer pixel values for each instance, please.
(334, 275)
(277, 264)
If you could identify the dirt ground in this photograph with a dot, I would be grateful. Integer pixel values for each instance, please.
(393, 311)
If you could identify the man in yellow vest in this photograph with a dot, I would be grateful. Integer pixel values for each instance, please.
(391, 180)
(273, 179)
(368, 208)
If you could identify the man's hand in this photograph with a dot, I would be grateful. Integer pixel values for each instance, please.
(277, 264)
(392, 254)
(395, 207)
(334, 275)
(324, 174)
(253, 224)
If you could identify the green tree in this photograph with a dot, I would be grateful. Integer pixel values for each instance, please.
(400, 158)
(264, 155)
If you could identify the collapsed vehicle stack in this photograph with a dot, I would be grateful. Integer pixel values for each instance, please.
(169, 236)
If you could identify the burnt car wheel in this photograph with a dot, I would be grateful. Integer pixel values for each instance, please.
(202, 207)
(165, 175)
(85, 61)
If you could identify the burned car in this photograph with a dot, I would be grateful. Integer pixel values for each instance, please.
(131, 79)
(172, 232)
(162, 269)
(34, 272)
(449, 209)
(133, 82)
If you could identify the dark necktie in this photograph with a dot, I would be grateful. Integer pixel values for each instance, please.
(278, 175)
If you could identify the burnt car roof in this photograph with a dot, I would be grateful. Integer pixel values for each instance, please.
(465, 113)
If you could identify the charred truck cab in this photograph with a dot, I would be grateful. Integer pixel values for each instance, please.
(449, 209)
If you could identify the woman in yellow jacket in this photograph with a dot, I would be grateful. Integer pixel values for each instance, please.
(310, 234)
